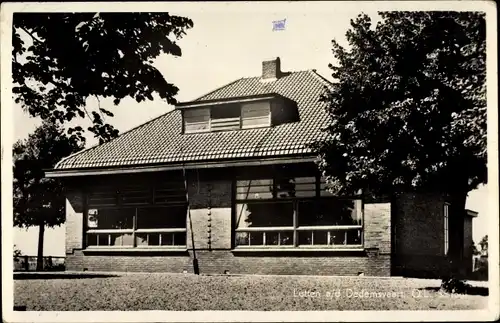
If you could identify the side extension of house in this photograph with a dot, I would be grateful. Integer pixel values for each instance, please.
(399, 237)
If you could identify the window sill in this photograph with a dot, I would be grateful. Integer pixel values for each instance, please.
(299, 250)
(136, 250)
(225, 130)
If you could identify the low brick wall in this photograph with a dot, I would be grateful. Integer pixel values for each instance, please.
(220, 261)
(123, 263)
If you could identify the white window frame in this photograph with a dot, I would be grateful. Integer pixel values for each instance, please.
(446, 228)
(119, 205)
(295, 229)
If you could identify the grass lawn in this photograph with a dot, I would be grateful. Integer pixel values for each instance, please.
(129, 291)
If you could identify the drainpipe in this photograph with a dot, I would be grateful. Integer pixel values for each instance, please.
(196, 268)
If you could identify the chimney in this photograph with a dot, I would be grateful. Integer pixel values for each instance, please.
(271, 70)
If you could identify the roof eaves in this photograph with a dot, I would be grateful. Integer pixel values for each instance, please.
(190, 104)
(73, 155)
(187, 164)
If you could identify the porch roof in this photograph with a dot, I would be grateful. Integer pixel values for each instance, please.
(161, 141)
(471, 213)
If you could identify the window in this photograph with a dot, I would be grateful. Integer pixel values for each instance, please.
(255, 115)
(137, 216)
(292, 212)
(446, 229)
(227, 117)
(196, 120)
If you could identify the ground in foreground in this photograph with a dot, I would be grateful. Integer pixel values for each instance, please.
(63, 292)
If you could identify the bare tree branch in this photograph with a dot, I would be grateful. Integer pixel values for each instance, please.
(31, 35)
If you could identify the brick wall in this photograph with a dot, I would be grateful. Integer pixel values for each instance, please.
(74, 220)
(468, 243)
(210, 208)
(210, 220)
(173, 263)
(377, 227)
(220, 261)
(419, 234)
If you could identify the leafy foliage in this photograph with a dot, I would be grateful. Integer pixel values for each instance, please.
(408, 110)
(484, 244)
(59, 60)
(17, 252)
(39, 200)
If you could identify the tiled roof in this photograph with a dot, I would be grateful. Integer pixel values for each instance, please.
(160, 141)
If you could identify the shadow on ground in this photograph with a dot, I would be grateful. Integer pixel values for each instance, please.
(23, 276)
(470, 290)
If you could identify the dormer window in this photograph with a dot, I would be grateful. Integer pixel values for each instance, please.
(225, 117)
(236, 114)
(196, 120)
(256, 114)
(228, 117)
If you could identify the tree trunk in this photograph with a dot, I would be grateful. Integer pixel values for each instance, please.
(39, 258)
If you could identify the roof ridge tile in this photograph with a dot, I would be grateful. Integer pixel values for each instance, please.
(321, 78)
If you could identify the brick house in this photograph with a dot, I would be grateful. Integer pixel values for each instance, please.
(228, 179)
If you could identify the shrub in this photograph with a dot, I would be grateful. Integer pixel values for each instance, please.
(17, 252)
(56, 267)
(453, 285)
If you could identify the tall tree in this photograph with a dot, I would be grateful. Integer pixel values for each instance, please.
(408, 109)
(39, 201)
(61, 59)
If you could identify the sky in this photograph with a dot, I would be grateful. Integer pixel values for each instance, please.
(227, 42)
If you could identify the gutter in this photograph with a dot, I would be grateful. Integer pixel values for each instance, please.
(248, 98)
(58, 173)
